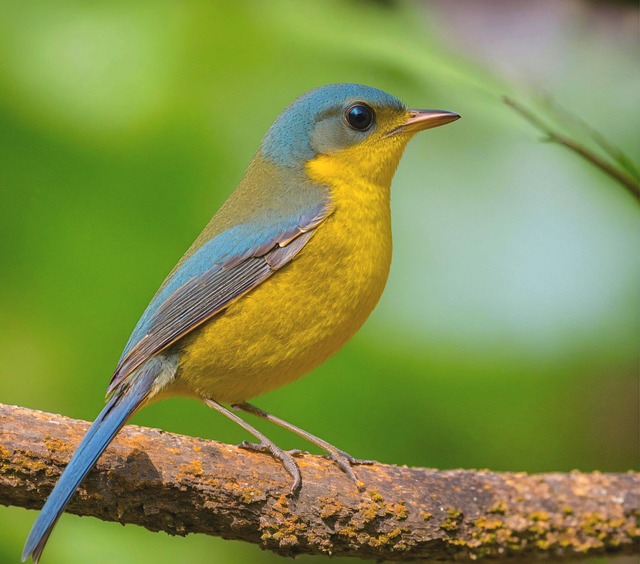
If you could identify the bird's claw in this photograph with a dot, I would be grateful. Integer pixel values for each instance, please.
(254, 447)
(284, 457)
(354, 461)
(345, 461)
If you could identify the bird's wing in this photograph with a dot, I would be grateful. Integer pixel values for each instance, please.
(209, 281)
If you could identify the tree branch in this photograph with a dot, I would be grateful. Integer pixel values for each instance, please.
(619, 174)
(184, 485)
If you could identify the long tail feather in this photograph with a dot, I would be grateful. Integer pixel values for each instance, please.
(112, 418)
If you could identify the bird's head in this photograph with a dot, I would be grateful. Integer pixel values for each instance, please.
(350, 125)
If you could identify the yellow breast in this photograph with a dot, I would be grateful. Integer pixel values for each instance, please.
(306, 311)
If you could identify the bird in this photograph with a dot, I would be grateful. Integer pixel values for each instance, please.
(282, 276)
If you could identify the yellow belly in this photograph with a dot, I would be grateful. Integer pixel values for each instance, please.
(303, 313)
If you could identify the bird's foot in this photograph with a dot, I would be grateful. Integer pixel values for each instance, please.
(283, 456)
(345, 461)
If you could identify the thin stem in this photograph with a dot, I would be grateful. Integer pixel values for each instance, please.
(629, 183)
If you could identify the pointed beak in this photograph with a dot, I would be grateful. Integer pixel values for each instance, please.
(420, 120)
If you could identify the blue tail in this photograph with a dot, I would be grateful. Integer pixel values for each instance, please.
(115, 414)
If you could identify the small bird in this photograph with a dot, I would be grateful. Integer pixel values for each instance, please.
(283, 275)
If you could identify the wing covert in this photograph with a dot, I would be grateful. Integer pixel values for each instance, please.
(207, 293)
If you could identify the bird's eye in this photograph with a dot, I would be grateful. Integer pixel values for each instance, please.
(359, 116)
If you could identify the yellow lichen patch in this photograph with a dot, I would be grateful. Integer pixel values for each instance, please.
(539, 516)
(377, 507)
(281, 526)
(449, 526)
(600, 527)
(368, 511)
(632, 531)
(426, 516)
(32, 463)
(370, 525)
(592, 524)
(348, 531)
(173, 450)
(282, 505)
(251, 495)
(452, 522)
(540, 525)
(488, 524)
(383, 539)
(56, 445)
(538, 529)
(193, 469)
(329, 508)
(398, 510)
(138, 442)
(500, 508)
(244, 493)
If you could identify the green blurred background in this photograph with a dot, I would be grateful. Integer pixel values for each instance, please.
(507, 337)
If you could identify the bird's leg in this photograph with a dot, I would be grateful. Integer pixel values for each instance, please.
(265, 445)
(341, 458)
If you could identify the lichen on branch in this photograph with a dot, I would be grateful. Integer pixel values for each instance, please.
(183, 485)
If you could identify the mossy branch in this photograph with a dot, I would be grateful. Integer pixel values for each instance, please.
(184, 485)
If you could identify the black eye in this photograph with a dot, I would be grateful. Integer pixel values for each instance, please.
(359, 117)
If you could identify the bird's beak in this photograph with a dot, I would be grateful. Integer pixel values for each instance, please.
(420, 120)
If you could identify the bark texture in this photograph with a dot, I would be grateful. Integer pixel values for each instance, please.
(184, 485)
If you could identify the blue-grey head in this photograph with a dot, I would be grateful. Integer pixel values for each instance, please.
(337, 116)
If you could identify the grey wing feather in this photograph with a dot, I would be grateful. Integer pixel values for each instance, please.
(205, 295)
